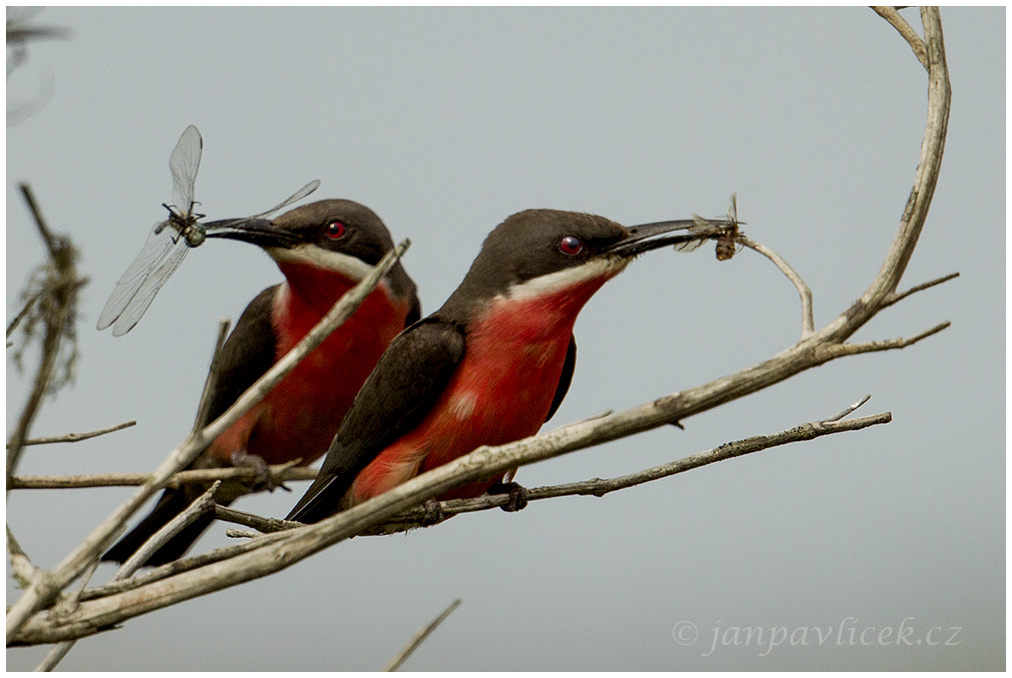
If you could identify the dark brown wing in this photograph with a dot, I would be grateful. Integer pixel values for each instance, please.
(247, 354)
(565, 379)
(399, 393)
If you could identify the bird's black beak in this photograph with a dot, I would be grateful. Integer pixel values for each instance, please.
(662, 233)
(256, 231)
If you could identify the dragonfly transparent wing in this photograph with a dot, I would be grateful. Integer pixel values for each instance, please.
(184, 163)
(295, 197)
(149, 287)
(157, 246)
(702, 230)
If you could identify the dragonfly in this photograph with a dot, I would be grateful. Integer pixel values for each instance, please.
(169, 240)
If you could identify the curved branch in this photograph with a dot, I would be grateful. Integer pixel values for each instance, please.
(807, 314)
(926, 178)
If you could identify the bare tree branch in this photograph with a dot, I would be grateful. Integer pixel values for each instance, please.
(273, 552)
(197, 476)
(414, 517)
(258, 523)
(65, 607)
(599, 487)
(77, 437)
(177, 567)
(420, 637)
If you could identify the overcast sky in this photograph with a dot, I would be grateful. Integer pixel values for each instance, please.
(445, 121)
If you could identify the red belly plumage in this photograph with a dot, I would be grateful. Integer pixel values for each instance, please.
(502, 390)
(300, 416)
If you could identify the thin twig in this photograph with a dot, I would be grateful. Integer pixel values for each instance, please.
(46, 585)
(847, 411)
(55, 656)
(201, 505)
(52, 242)
(897, 296)
(258, 523)
(909, 34)
(13, 324)
(807, 313)
(283, 472)
(918, 203)
(838, 350)
(414, 517)
(420, 637)
(241, 534)
(77, 437)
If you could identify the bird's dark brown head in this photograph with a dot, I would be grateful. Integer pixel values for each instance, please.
(336, 235)
(533, 244)
(540, 251)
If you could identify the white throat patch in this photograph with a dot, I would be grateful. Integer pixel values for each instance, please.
(568, 277)
(351, 267)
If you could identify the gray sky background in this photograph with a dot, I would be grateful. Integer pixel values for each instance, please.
(445, 121)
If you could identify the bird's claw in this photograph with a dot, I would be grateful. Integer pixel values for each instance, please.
(517, 495)
(264, 479)
(433, 513)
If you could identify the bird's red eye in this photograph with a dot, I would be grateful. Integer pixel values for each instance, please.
(570, 245)
(336, 230)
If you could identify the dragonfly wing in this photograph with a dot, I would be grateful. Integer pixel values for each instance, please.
(690, 244)
(703, 229)
(295, 197)
(140, 301)
(158, 244)
(184, 163)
